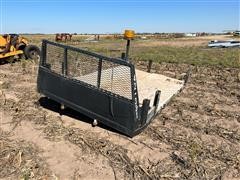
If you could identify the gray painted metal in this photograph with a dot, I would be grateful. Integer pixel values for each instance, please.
(101, 87)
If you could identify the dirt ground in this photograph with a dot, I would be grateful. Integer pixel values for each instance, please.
(197, 136)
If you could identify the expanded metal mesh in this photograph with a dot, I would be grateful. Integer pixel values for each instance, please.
(55, 57)
(82, 67)
(116, 79)
(93, 70)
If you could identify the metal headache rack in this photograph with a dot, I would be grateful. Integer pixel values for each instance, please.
(108, 90)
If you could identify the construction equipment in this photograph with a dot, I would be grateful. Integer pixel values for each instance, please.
(108, 90)
(64, 37)
(12, 45)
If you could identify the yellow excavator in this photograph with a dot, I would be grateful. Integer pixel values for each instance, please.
(15, 46)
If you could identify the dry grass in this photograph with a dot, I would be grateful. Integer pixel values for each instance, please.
(199, 129)
(192, 50)
(197, 135)
(20, 160)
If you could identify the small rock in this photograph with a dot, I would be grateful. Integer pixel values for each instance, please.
(4, 85)
(1, 83)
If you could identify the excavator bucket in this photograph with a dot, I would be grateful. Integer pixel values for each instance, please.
(109, 90)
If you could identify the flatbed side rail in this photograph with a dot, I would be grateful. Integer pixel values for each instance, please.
(96, 85)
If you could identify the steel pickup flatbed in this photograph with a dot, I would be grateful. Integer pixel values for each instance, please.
(109, 90)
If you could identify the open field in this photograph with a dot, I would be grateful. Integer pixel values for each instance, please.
(191, 50)
(197, 136)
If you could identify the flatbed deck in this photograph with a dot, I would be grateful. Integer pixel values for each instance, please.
(147, 84)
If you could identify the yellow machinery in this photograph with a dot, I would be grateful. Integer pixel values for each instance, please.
(13, 45)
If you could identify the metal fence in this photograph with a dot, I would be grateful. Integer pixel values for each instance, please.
(111, 75)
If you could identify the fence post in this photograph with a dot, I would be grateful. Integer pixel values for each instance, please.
(149, 66)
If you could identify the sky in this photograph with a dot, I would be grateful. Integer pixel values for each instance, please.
(113, 16)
